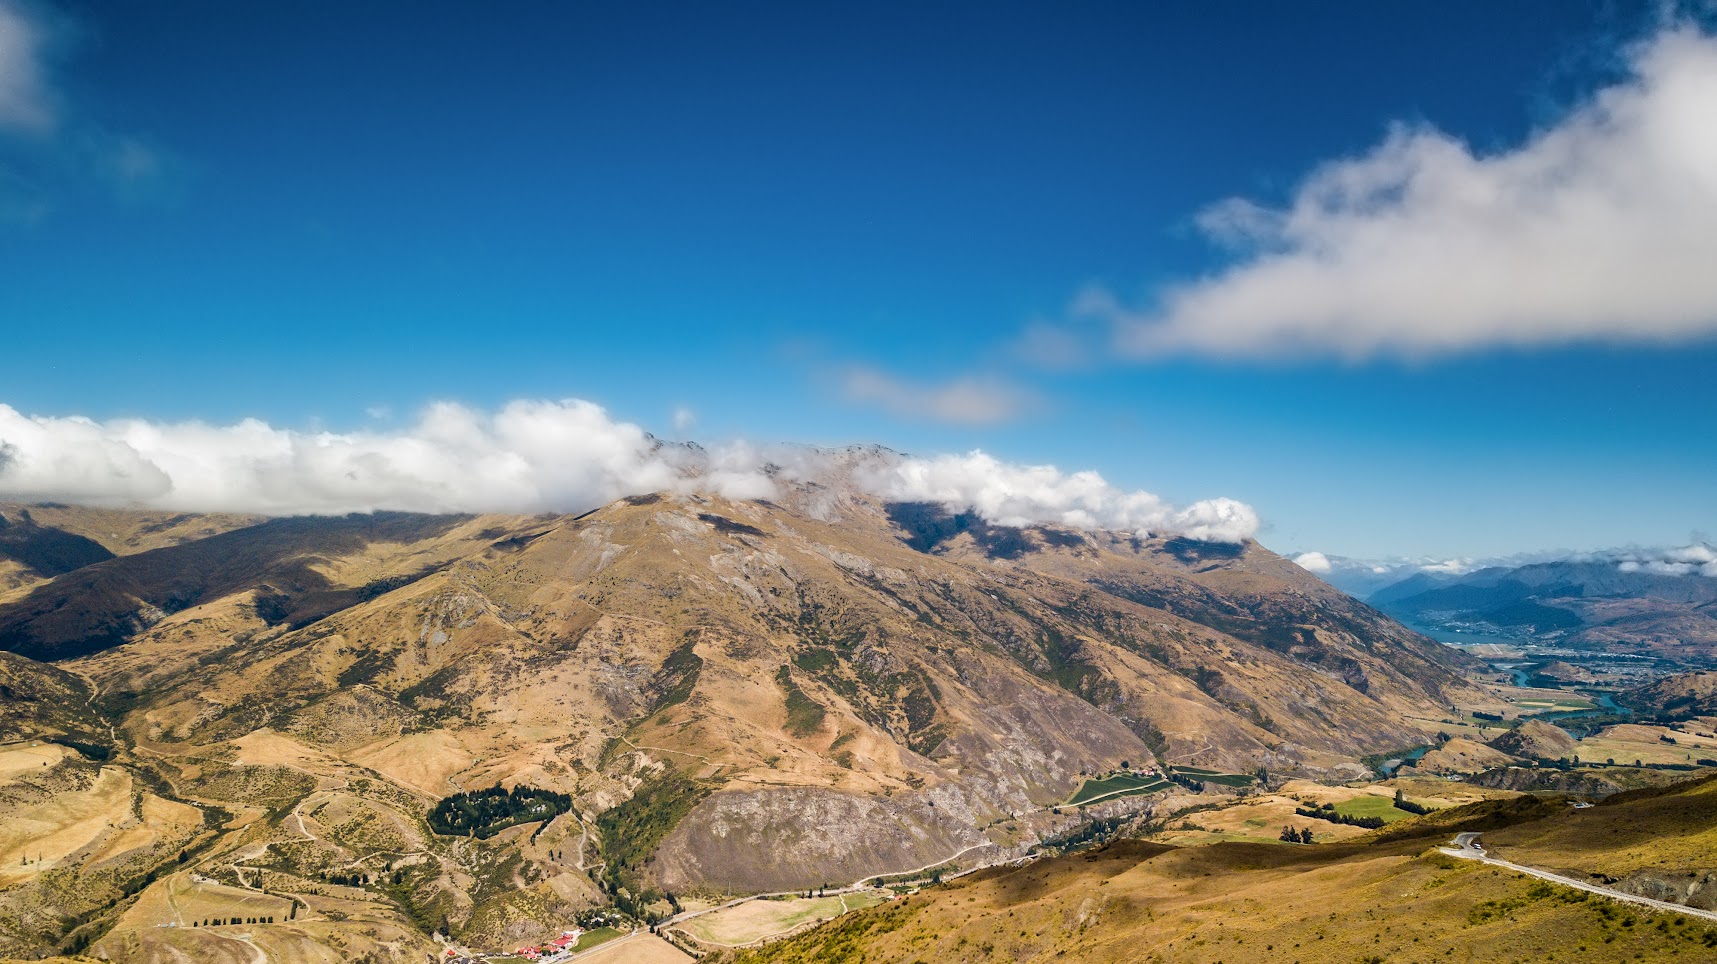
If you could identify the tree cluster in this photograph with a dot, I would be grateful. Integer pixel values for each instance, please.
(1291, 835)
(1402, 803)
(1196, 786)
(484, 813)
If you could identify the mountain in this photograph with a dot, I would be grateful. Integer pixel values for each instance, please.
(44, 540)
(735, 696)
(1536, 740)
(1409, 587)
(1601, 605)
(1681, 697)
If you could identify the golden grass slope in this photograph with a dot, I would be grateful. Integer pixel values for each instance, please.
(128, 531)
(1387, 900)
(1460, 756)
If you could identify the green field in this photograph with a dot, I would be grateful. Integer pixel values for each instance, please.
(1120, 784)
(1562, 704)
(1212, 776)
(600, 935)
(1371, 805)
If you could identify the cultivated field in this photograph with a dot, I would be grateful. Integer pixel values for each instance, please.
(1118, 785)
(642, 948)
(1628, 742)
(21, 757)
(760, 919)
(1371, 805)
(1216, 777)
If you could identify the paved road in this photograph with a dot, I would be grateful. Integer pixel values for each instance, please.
(1467, 847)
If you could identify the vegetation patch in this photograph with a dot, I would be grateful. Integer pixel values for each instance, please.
(804, 715)
(631, 831)
(600, 935)
(679, 676)
(1213, 776)
(1117, 785)
(484, 813)
(1371, 805)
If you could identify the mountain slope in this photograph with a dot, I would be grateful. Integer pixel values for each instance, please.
(743, 696)
(1680, 697)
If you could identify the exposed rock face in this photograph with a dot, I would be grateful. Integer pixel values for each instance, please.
(1695, 889)
(807, 837)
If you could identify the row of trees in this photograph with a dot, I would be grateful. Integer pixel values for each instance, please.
(222, 921)
(1328, 812)
(1196, 786)
(1291, 835)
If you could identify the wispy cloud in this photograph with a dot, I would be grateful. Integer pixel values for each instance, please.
(1697, 559)
(49, 148)
(528, 456)
(1596, 229)
(970, 400)
(25, 103)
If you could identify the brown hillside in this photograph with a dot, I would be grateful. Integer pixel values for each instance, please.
(1393, 899)
(1536, 740)
(736, 695)
(1458, 757)
(1677, 697)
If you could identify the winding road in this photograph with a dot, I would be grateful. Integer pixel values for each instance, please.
(1466, 847)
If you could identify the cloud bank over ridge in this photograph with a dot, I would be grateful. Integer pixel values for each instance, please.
(1597, 229)
(528, 456)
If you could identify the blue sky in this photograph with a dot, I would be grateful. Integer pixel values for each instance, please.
(804, 223)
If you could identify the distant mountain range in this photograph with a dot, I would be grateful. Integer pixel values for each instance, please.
(1661, 604)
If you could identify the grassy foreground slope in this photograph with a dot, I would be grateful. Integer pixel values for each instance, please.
(1390, 898)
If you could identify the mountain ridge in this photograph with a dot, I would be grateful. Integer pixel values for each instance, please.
(711, 680)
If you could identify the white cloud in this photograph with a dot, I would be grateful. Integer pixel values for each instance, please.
(1312, 562)
(684, 419)
(25, 104)
(1597, 229)
(1697, 559)
(964, 401)
(1021, 495)
(529, 456)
